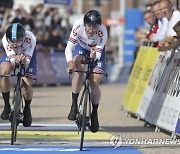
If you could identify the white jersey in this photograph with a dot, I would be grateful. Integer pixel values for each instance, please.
(161, 32)
(27, 47)
(174, 19)
(79, 36)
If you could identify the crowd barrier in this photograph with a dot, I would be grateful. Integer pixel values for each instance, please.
(51, 69)
(153, 88)
(139, 77)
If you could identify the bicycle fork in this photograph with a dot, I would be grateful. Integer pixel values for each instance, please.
(80, 110)
(19, 113)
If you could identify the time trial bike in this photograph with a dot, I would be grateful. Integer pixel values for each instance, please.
(85, 105)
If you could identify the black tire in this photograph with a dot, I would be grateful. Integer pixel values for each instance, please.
(14, 124)
(83, 128)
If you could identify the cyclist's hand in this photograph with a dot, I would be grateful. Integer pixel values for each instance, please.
(93, 53)
(13, 64)
(71, 67)
(17, 59)
(22, 59)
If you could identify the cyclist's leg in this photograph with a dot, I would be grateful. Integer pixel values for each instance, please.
(78, 54)
(95, 80)
(27, 94)
(28, 90)
(77, 77)
(5, 68)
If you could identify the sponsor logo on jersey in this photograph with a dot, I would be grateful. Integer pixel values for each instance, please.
(100, 33)
(28, 40)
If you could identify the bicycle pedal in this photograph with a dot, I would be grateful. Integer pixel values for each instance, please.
(11, 115)
(87, 118)
(88, 125)
(20, 118)
(78, 124)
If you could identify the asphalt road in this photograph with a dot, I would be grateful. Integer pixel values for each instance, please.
(51, 106)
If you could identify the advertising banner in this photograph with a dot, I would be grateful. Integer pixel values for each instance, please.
(167, 111)
(153, 90)
(134, 78)
(58, 2)
(147, 66)
(136, 75)
(45, 72)
(59, 64)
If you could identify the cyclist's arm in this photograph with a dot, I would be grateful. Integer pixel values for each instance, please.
(69, 56)
(30, 44)
(9, 51)
(103, 38)
(71, 44)
(68, 51)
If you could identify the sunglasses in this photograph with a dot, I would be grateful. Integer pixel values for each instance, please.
(16, 42)
(93, 26)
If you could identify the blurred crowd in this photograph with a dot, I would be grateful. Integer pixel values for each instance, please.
(163, 22)
(51, 28)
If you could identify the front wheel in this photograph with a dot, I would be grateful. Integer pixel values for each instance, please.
(83, 128)
(14, 124)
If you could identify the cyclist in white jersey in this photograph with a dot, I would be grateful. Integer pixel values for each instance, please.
(88, 36)
(19, 45)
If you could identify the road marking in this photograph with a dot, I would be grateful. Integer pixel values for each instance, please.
(67, 149)
(44, 127)
(39, 149)
(57, 135)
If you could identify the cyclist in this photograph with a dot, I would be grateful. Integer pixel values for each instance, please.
(88, 35)
(19, 45)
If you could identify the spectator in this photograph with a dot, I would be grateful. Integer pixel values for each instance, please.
(44, 22)
(162, 23)
(173, 17)
(19, 18)
(39, 17)
(54, 39)
(148, 7)
(173, 45)
(152, 21)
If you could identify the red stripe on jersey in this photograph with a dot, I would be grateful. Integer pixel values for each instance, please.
(72, 40)
(30, 75)
(91, 45)
(98, 50)
(98, 70)
(82, 42)
(29, 57)
(12, 56)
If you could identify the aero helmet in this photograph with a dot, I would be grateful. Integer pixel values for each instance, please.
(92, 17)
(15, 33)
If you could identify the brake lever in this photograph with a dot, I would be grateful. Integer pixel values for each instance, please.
(106, 75)
(70, 72)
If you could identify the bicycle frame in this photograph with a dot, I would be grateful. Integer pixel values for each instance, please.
(86, 92)
(83, 118)
(17, 102)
